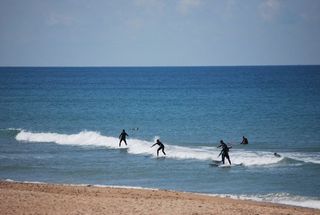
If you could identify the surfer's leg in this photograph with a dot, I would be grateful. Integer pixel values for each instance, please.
(125, 141)
(158, 151)
(227, 155)
(163, 151)
(222, 158)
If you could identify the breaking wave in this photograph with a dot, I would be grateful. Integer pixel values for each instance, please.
(143, 147)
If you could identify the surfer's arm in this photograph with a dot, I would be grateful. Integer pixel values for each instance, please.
(153, 145)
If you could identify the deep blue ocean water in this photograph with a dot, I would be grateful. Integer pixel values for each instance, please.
(61, 125)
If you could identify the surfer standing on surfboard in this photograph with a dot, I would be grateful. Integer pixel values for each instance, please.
(224, 151)
(161, 147)
(122, 137)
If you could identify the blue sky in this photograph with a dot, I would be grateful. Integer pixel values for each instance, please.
(159, 32)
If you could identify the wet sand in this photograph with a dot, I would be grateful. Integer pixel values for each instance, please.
(30, 198)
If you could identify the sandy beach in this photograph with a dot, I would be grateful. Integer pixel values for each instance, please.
(30, 198)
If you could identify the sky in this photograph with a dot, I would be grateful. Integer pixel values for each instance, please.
(159, 32)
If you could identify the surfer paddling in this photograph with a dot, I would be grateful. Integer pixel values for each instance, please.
(244, 140)
(224, 151)
(122, 137)
(161, 147)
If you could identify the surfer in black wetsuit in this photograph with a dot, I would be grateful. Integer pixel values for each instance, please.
(244, 140)
(276, 154)
(161, 146)
(224, 151)
(122, 137)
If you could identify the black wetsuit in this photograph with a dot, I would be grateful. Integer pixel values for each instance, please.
(244, 141)
(225, 152)
(122, 137)
(161, 147)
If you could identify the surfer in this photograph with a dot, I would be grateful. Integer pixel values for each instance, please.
(122, 137)
(276, 154)
(244, 140)
(224, 151)
(161, 147)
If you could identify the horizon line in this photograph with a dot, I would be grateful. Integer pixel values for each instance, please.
(158, 66)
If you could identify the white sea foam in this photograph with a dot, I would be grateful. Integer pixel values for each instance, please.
(143, 147)
(10, 129)
(254, 158)
(83, 138)
(310, 157)
(280, 198)
(84, 185)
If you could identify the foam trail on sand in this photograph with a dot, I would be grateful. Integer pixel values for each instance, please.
(280, 198)
(143, 147)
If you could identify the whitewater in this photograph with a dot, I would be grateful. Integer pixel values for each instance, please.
(143, 147)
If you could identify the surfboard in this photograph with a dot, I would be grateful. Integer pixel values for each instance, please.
(224, 166)
(219, 164)
(215, 163)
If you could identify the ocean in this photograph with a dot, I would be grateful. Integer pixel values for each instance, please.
(61, 125)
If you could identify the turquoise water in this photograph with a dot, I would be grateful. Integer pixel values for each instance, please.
(60, 125)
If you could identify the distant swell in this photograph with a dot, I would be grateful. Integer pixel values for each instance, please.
(143, 147)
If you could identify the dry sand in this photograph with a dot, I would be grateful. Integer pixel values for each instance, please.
(28, 198)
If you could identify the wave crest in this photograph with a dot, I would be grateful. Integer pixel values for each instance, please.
(137, 146)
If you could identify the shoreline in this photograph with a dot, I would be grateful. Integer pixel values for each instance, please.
(43, 198)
